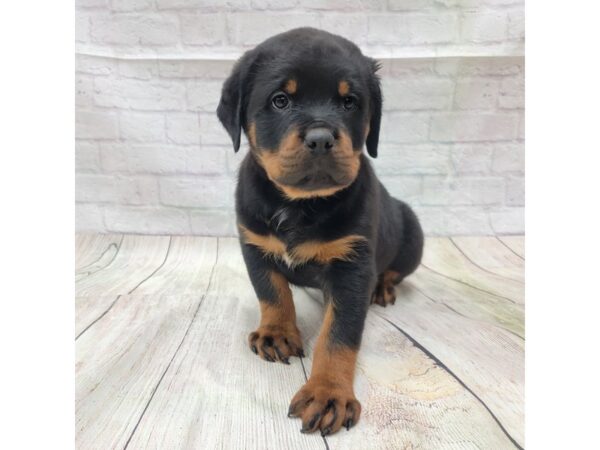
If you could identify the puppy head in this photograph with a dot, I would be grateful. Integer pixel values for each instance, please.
(308, 102)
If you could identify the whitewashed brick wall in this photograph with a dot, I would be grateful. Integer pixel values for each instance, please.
(151, 156)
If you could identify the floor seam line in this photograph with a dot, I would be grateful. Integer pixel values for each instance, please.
(451, 373)
(470, 285)
(100, 257)
(508, 247)
(481, 267)
(210, 278)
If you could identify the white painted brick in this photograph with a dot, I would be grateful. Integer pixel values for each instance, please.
(413, 29)
(183, 128)
(478, 27)
(516, 24)
(140, 69)
(410, 159)
(417, 93)
(213, 222)
(90, 3)
(273, 5)
(135, 29)
(408, 66)
(515, 191)
(407, 188)
(205, 5)
(470, 159)
(123, 190)
(95, 188)
(476, 93)
(96, 125)
(411, 5)
(196, 69)
(458, 221)
(471, 126)
(249, 28)
(508, 220)
(89, 217)
(203, 29)
(82, 27)
(344, 5)
(146, 220)
(522, 125)
(196, 192)
(509, 158)
(94, 65)
(401, 127)
(350, 26)
(512, 93)
(463, 191)
(204, 95)
(84, 90)
(142, 127)
(162, 159)
(87, 156)
(211, 131)
(139, 94)
(130, 5)
(482, 66)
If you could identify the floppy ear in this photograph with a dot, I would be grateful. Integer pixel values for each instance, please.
(375, 109)
(231, 107)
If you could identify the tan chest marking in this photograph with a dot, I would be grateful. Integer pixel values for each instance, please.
(342, 249)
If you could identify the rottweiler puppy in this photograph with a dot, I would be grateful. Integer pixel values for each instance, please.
(310, 209)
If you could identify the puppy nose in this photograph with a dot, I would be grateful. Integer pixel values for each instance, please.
(319, 140)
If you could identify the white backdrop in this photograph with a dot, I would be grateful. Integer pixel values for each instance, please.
(151, 156)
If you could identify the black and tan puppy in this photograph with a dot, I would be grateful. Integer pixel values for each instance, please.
(310, 209)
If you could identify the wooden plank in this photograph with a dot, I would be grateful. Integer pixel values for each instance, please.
(492, 255)
(94, 250)
(138, 258)
(217, 393)
(515, 243)
(409, 401)
(470, 302)
(121, 359)
(180, 274)
(486, 357)
(443, 257)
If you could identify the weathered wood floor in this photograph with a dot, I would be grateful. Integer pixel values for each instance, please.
(162, 361)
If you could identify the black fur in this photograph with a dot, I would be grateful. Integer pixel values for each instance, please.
(394, 240)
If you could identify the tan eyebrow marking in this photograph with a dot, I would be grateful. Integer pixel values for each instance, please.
(343, 88)
(291, 86)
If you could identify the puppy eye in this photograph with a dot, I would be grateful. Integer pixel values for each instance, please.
(350, 103)
(280, 101)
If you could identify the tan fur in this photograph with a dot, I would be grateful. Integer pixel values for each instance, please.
(291, 86)
(269, 244)
(343, 88)
(325, 252)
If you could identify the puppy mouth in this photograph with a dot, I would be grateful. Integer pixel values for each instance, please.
(314, 180)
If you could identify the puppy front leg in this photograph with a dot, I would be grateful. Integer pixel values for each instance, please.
(327, 402)
(277, 337)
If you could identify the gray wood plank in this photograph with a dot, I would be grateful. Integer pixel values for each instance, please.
(121, 359)
(217, 393)
(410, 401)
(515, 243)
(93, 251)
(444, 258)
(138, 258)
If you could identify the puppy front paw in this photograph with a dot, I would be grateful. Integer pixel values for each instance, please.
(325, 405)
(276, 343)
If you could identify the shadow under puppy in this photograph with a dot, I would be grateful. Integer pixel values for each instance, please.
(310, 209)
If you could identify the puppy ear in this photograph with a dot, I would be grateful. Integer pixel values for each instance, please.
(375, 109)
(231, 107)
